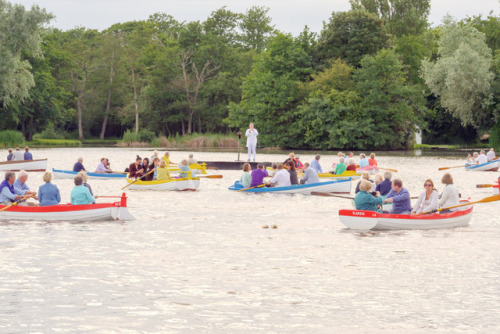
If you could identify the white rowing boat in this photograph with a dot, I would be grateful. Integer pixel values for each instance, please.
(181, 184)
(68, 212)
(39, 165)
(367, 220)
(491, 166)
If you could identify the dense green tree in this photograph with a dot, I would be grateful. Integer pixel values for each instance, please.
(256, 28)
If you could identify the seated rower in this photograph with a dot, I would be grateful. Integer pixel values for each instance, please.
(372, 161)
(364, 200)
(274, 167)
(166, 157)
(246, 178)
(427, 200)
(85, 179)
(147, 168)
(385, 186)
(365, 176)
(78, 166)
(10, 155)
(80, 194)
(281, 178)
(491, 154)
(470, 160)
(316, 165)
(290, 166)
(155, 165)
(17, 155)
(27, 154)
(352, 165)
(258, 175)
(400, 198)
(48, 194)
(341, 167)
(450, 196)
(310, 175)
(135, 169)
(162, 173)
(481, 159)
(191, 160)
(102, 167)
(185, 171)
(298, 164)
(21, 186)
(8, 194)
(363, 162)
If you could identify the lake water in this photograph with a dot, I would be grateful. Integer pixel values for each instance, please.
(200, 262)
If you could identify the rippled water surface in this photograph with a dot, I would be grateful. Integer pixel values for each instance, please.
(200, 262)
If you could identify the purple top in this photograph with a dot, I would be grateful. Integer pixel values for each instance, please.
(258, 176)
(101, 168)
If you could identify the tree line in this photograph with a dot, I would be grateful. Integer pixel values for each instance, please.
(370, 79)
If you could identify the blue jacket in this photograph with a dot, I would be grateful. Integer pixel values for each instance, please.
(48, 194)
(400, 202)
(384, 187)
(78, 167)
(316, 166)
(366, 201)
(28, 156)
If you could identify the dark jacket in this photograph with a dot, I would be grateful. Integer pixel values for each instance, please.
(384, 187)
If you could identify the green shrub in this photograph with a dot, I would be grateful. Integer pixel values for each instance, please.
(147, 135)
(130, 137)
(11, 138)
(495, 137)
(49, 132)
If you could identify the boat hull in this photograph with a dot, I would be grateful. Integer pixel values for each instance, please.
(67, 174)
(172, 184)
(335, 186)
(367, 220)
(39, 165)
(491, 166)
(371, 169)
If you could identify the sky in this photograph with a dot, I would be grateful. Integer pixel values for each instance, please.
(288, 15)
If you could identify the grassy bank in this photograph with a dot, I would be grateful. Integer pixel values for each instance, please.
(188, 141)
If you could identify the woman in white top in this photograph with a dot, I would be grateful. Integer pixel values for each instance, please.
(428, 199)
(449, 196)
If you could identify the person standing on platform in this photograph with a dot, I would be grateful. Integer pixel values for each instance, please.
(251, 134)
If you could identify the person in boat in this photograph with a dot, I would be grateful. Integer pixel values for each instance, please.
(365, 177)
(185, 171)
(102, 167)
(135, 169)
(475, 156)
(258, 176)
(298, 164)
(450, 195)
(385, 186)
(274, 168)
(316, 165)
(21, 187)
(334, 164)
(9, 156)
(364, 200)
(27, 154)
(80, 194)
(192, 160)
(155, 155)
(85, 179)
(470, 160)
(162, 173)
(481, 159)
(251, 135)
(17, 155)
(372, 161)
(427, 200)
(78, 166)
(155, 165)
(146, 169)
(246, 178)
(8, 194)
(377, 178)
(351, 156)
(166, 157)
(363, 162)
(340, 167)
(290, 166)
(399, 197)
(281, 178)
(491, 154)
(310, 175)
(48, 194)
(291, 157)
(352, 165)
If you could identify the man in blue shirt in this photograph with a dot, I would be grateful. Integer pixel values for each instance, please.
(315, 164)
(9, 157)
(8, 193)
(27, 154)
(385, 186)
(20, 185)
(78, 167)
(400, 198)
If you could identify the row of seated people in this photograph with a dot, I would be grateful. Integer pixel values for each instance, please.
(283, 175)
(19, 155)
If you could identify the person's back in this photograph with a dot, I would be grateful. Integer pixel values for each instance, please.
(9, 157)
(81, 195)
(246, 179)
(185, 171)
(340, 168)
(258, 176)
(293, 176)
(28, 155)
(372, 162)
(363, 163)
(282, 178)
(482, 159)
(192, 161)
(17, 155)
(78, 167)
(48, 194)
(491, 155)
(384, 187)
(162, 173)
(366, 201)
(310, 176)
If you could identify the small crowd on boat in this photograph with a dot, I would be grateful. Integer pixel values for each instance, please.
(481, 158)
(19, 155)
(157, 169)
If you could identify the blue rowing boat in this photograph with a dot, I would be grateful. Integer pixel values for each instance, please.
(491, 166)
(69, 174)
(335, 186)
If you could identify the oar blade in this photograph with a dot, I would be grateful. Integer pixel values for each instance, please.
(484, 185)
(490, 199)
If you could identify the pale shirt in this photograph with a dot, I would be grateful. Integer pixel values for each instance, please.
(20, 188)
(449, 197)
(426, 205)
(490, 155)
(101, 168)
(192, 161)
(251, 137)
(481, 159)
(246, 179)
(282, 178)
(6, 196)
(18, 156)
(310, 176)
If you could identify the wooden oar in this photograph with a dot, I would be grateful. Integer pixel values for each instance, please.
(486, 185)
(17, 202)
(114, 172)
(484, 200)
(389, 169)
(209, 176)
(137, 179)
(443, 168)
(316, 193)
(259, 186)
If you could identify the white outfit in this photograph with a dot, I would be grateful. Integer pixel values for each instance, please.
(481, 159)
(251, 142)
(490, 155)
(282, 178)
(18, 156)
(426, 205)
(449, 197)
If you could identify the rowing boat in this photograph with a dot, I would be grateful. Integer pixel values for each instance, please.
(68, 212)
(370, 169)
(367, 220)
(344, 176)
(68, 174)
(335, 186)
(491, 166)
(180, 184)
(39, 165)
(195, 168)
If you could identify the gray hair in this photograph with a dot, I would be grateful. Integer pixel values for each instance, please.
(22, 174)
(342, 160)
(351, 161)
(317, 157)
(80, 159)
(78, 180)
(387, 175)
(378, 177)
(362, 156)
(8, 175)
